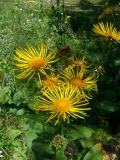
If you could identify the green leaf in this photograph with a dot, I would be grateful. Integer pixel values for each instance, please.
(81, 154)
(16, 143)
(20, 112)
(5, 94)
(86, 143)
(60, 155)
(79, 132)
(95, 153)
(41, 148)
(101, 135)
(19, 98)
(30, 136)
(13, 110)
(13, 133)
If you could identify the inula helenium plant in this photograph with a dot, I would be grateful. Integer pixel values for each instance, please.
(59, 80)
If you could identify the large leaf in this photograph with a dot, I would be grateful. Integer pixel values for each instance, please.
(60, 155)
(95, 153)
(87, 143)
(79, 132)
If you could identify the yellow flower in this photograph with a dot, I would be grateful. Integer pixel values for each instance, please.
(62, 103)
(67, 19)
(51, 81)
(107, 10)
(79, 63)
(80, 79)
(31, 61)
(107, 30)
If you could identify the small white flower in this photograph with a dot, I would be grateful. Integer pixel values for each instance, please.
(1, 154)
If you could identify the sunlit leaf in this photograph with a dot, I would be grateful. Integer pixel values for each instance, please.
(95, 153)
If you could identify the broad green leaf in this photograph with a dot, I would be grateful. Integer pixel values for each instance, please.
(86, 143)
(60, 155)
(95, 153)
(79, 132)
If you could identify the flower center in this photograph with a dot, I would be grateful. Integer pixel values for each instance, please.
(77, 82)
(51, 81)
(36, 63)
(62, 105)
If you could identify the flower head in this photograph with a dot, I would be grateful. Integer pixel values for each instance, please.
(64, 49)
(63, 102)
(107, 10)
(31, 61)
(107, 30)
(69, 152)
(67, 19)
(57, 143)
(51, 81)
(80, 79)
(79, 63)
(100, 70)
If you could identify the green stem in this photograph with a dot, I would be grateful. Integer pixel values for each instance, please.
(64, 39)
(61, 39)
(55, 153)
(62, 129)
(58, 3)
(44, 129)
(63, 5)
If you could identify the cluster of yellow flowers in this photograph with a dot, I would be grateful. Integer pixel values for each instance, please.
(65, 94)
